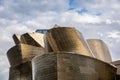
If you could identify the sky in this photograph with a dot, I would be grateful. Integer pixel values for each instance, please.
(94, 18)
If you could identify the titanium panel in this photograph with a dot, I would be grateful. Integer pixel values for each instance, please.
(34, 39)
(21, 72)
(99, 49)
(117, 64)
(23, 53)
(17, 38)
(67, 39)
(71, 66)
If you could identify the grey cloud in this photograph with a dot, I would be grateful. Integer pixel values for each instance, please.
(4, 68)
(100, 31)
(107, 8)
(25, 8)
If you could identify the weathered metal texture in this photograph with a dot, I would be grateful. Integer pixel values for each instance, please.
(21, 72)
(45, 67)
(23, 53)
(34, 39)
(47, 45)
(99, 49)
(117, 64)
(71, 66)
(67, 39)
(117, 77)
(17, 38)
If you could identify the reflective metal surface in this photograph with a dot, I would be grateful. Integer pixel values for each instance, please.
(17, 38)
(60, 53)
(99, 49)
(67, 39)
(21, 72)
(22, 53)
(71, 66)
(34, 39)
(117, 64)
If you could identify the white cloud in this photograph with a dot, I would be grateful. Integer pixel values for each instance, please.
(110, 21)
(107, 8)
(79, 18)
(115, 35)
(26, 9)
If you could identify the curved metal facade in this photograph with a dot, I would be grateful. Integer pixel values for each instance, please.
(67, 39)
(61, 54)
(21, 72)
(117, 64)
(23, 53)
(99, 49)
(34, 39)
(14, 55)
(71, 66)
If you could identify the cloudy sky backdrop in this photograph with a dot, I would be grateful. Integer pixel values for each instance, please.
(94, 18)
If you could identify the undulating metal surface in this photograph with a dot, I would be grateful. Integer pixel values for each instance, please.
(47, 45)
(71, 66)
(14, 55)
(117, 64)
(21, 72)
(17, 38)
(60, 53)
(99, 49)
(34, 39)
(67, 39)
(45, 67)
(23, 53)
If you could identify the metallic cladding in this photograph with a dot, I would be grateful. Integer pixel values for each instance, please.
(67, 39)
(99, 49)
(71, 66)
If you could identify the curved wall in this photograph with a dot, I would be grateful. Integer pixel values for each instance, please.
(99, 49)
(34, 39)
(21, 72)
(117, 64)
(71, 66)
(23, 53)
(67, 39)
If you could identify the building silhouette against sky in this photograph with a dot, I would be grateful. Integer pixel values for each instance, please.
(60, 53)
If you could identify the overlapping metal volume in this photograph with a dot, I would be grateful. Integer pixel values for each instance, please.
(99, 49)
(71, 66)
(27, 46)
(60, 53)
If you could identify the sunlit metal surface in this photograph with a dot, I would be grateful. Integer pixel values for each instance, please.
(60, 53)
(22, 53)
(67, 39)
(117, 64)
(99, 49)
(71, 66)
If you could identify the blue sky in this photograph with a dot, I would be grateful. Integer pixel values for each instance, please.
(94, 18)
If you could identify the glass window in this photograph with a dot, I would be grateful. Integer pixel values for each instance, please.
(43, 31)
